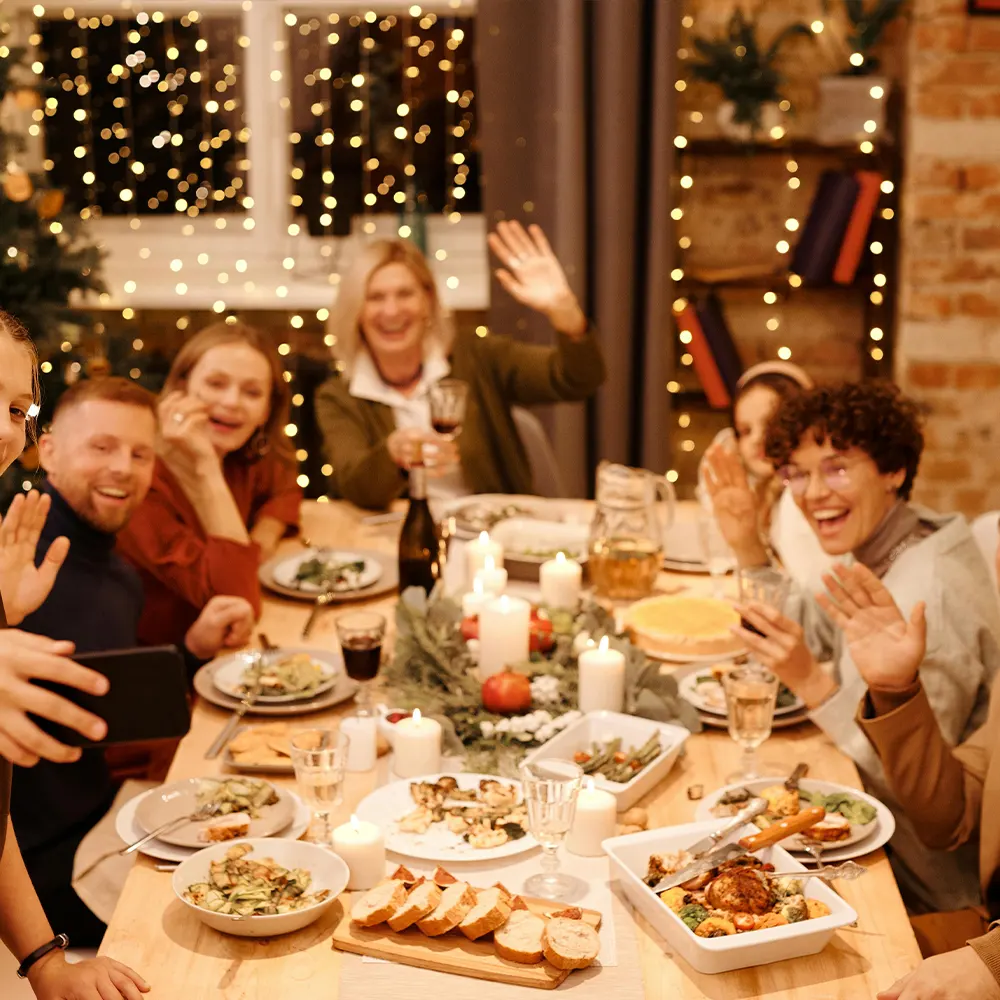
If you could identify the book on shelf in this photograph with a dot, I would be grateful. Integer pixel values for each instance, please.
(819, 246)
(720, 340)
(852, 247)
(705, 366)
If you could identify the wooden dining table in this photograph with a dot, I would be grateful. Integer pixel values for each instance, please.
(184, 960)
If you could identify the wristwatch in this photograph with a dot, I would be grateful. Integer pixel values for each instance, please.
(60, 941)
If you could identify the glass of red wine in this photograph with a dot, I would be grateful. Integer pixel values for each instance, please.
(361, 634)
(447, 399)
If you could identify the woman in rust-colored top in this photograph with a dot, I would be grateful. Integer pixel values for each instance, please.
(224, 491)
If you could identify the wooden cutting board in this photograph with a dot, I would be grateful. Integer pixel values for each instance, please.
(452, 952)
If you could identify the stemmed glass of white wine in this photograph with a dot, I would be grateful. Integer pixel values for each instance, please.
(751, 692)
(319, 757)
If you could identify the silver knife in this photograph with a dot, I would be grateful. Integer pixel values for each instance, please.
(230, 727)
(748, 813)
(709, 861)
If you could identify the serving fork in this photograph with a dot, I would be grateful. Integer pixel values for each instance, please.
(847, 871)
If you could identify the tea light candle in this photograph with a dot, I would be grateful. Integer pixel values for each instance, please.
(491, 578)
(560, 580)
(361, 847)
(362, 746)
(594, 822)
(504, 627)
(476, 552)
(602, 679)
(473, 601)
(416, 746)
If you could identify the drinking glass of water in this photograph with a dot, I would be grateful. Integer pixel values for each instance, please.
(361, 634)
(762, 584)
(319, 757)
(751, 692)
(551, 788)
(715, 551)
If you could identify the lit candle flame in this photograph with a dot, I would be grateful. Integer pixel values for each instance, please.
(484, 538)
(477, 586)
(355, 823)
(560, 557)
(604, 644)
(416, 715)
(505, 604)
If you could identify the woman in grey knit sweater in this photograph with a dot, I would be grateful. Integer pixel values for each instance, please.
(849, 454)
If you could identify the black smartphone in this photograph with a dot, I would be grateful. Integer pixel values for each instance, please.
(147, 699)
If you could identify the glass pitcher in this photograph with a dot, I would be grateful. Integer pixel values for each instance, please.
(626, 536)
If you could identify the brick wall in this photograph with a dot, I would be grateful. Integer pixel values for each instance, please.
(948, 345)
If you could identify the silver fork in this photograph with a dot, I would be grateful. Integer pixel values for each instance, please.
(322, 600)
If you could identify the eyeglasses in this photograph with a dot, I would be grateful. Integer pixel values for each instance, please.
(834, 472)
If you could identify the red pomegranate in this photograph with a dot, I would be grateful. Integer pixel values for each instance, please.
(507, 693)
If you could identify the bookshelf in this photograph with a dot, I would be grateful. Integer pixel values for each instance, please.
(872, 295)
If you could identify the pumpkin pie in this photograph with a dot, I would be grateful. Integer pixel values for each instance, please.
(683, 627)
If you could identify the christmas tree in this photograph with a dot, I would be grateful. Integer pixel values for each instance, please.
(45, 257)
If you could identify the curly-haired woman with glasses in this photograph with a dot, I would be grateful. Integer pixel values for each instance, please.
(849, 454)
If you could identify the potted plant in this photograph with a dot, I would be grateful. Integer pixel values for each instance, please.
(746, 74)
(857, 95)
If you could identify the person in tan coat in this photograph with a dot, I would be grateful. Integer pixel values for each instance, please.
(952, 794)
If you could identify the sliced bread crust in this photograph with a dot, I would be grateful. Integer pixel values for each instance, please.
(490, 912)
(379, 904)
(456, 901)
(520, 938)
(423, 900)
(570, 944)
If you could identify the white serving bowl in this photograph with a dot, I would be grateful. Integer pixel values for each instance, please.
(629, 860)
(599, 727)
(327, 869)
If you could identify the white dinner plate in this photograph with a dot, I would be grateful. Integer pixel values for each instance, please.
(285, 571)
(710, 697)
(863, 839)
(483, 511)
(389, 804)
(127, 827)
(228, 674)
(680, 658)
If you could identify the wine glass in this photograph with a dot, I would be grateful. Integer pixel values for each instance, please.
(551, 788)
(715, 551)
(764, 585)
(361, 634)
(319, 757)
(447, 399)
(751, 692)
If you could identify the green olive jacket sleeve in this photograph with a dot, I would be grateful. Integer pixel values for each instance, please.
(501, 372)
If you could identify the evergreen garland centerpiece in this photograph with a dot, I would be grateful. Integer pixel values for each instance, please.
(434, 668)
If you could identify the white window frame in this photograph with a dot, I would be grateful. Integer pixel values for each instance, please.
(140, 257)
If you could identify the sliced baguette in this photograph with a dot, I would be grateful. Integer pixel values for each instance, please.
(402, 874)
(456, 901)
(421, 902)
(443, 878)
(520, 938)
(490, 912)
(570, 944)
(379, 904)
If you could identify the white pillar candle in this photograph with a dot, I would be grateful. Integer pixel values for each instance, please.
(560, 580)
(362, 748)
(361, 847)
(473, 601)
(504, 627)
(476, 552)
(594, 822)
(492, 578)
(602, 679)
(416, 746)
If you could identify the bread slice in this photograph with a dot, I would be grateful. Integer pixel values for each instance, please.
(570, 913)
(518, 903)
(456, 901)
(402, 874)
(423, 900)
(570, 944)
(490, 912)
(229, 827)
(379, 904)
(520, 938)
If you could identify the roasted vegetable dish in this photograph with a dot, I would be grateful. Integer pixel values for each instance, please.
(298, 674)
(611, 762)
(738, 896)
(318, 572)
(234, 795)
(484, 817)
(245, 887)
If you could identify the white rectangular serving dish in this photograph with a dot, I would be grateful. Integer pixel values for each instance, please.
(634, 731)
(629, 861)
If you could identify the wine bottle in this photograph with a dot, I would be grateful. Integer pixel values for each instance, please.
(419, 544)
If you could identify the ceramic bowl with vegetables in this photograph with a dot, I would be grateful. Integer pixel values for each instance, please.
(260, 887)
(626, 755)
